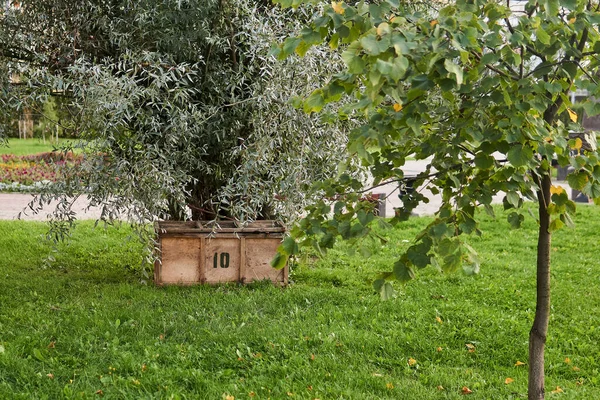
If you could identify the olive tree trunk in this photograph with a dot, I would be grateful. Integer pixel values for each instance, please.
(539, 330)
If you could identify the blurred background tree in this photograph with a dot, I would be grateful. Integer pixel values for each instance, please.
(177, 105)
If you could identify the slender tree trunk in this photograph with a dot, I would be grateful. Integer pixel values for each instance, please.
(539, 330)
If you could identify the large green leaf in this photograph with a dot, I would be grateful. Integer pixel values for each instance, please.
(387, 291)
(279, 261)
(403, 272)
(353, 61)
(551, 7)
(569, 4)
(520, 155)
(578, 180)
(515, 220)
(289, 246)
(314, 102)
(542, 36)
(371, 45)
(455, 70)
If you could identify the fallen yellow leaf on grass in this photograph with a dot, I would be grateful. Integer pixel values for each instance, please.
(411, 361)
(470, 347)
(576, 369)
(51, 376)
(438, 320)
(519, 363)
(508, 381)
(439, 349)
(558, 390)
(440, 387)
(389, 385)
(465, 390)
(568, 360)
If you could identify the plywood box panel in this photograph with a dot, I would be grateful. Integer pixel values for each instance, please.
(259, 253)
(202, 252)
(180, 260)
(222, 260)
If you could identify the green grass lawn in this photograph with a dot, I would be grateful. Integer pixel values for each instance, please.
(22, 147)
(86, 327)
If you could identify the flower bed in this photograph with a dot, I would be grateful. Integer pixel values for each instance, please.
(26, 170)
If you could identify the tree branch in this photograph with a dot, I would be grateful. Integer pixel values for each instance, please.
(495, 69)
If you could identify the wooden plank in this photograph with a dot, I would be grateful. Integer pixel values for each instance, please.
(222, 260)
(180, 257)
(202, 260)
(259, 253)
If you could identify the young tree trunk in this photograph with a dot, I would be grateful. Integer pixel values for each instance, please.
(539, 330)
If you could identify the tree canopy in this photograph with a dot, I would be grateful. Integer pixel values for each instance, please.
(177, 103)
(482, 90)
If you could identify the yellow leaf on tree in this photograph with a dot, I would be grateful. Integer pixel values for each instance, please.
(411, 361)
(337, 7)
(397, 107)
(556, 189)
(433, 23)
(519, 363)
(578, 144)
(508, 381)
(572, 115)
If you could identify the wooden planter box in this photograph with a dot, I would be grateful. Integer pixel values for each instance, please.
(200, 252)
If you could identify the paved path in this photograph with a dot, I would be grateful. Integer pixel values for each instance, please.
(413, 167)
(11, 204)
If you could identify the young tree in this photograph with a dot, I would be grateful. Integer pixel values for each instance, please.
(481, 89)
(177, 103)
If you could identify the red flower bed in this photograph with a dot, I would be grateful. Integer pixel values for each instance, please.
(35, 167)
